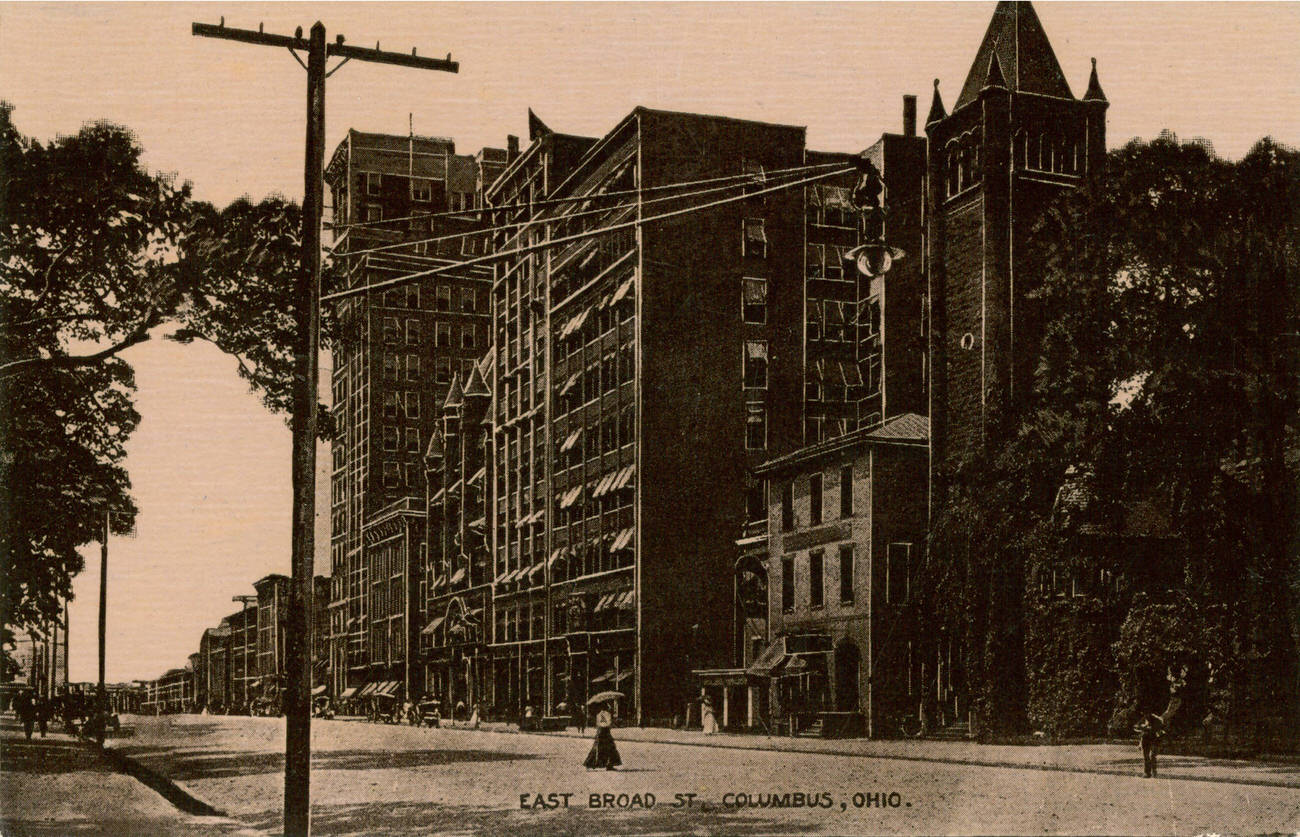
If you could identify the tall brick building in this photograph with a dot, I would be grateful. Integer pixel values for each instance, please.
(394, 360)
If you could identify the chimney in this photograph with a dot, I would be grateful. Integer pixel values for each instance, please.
(909, 116)
(512, 147)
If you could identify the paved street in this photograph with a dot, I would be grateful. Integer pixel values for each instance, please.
(369, 779)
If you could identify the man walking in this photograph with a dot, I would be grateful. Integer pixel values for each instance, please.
(1150, 731)
(25, 709)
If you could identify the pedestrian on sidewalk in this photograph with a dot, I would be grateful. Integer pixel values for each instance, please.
(1150, 731)
(603, 752)
(708, 719)
(25, 709)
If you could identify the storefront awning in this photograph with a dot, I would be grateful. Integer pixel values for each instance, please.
(350, 691)
(770, 660)
(432, 626)
(367, 689)
(387, 689)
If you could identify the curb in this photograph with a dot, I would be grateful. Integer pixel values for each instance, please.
(173, 792)
(1012, 765)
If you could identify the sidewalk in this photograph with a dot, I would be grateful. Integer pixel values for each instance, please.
(60, 785)
(1110, 759)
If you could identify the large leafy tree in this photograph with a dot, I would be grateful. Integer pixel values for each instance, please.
(1166, 372)
(100, 255)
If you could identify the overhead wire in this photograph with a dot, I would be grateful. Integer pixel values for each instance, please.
(463, 213)
(537, 221)
(542, 245)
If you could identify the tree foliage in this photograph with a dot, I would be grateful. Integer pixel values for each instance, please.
(1166, 372)
(100, 255)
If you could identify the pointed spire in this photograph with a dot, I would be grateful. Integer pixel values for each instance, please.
(455, 396)
(937, 113)
(1094, 93)
(434, 449)
(995, 77)
(1028, 63)
(476, 386)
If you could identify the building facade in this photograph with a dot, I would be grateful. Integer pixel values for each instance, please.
(402, 204)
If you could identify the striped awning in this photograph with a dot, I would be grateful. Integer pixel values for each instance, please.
(622, 290)
(571, 440)
(571, 496)
(623, 540)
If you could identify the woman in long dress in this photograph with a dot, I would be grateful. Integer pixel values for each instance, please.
(708, 721)
(603, 752)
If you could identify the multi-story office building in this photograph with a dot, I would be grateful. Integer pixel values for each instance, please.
(272, 624)
(640, 377)
(393, 363)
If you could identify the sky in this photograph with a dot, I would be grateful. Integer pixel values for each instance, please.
(210, 465)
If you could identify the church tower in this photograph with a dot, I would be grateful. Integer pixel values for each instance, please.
(1015, 138)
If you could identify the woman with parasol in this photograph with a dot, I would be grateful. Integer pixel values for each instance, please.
(603, 752)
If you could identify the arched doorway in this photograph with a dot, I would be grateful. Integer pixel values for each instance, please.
(847, 662)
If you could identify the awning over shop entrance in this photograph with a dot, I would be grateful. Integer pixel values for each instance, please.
(770, 660)
(350, 691)
(388, 688)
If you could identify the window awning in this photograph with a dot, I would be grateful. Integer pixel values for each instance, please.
(770, 660)
(478, 522)
(536, 569)
(627, 601)
(319, 690)
(571, 440)
(602, 603)
(624, 477)
(623, 540)
(255, 683)
(756, 349)
(568, 384)
(501, 579)
(570, 497)
(439, 582)
(605, 484)
(623, 675)
(609, 675)
(478, 475)
(557, 555)
(432, 626)
(575, 324)
(436, 496)
(622, 290)
(458, 576)
(347, 693)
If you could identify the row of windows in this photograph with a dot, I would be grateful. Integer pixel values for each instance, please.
(896, 583)
(815, 498)
(393, 438)
(817, 578)
(421, 190)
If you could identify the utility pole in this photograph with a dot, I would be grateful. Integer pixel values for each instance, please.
(297, 766)
(103, 623)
